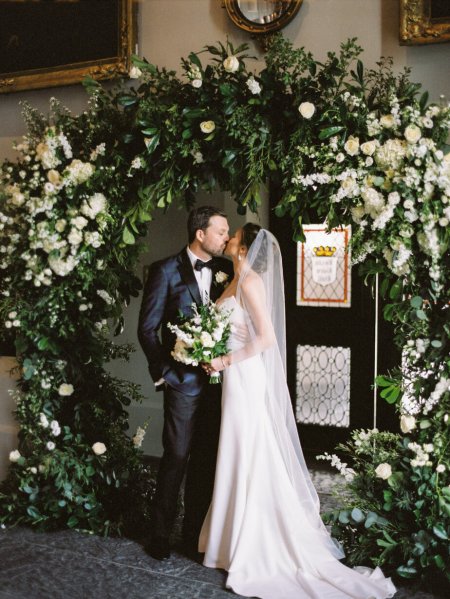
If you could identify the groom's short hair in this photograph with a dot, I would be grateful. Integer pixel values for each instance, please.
(199, 219)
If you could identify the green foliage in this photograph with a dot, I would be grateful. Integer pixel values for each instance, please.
(396, 511)
(340, 143)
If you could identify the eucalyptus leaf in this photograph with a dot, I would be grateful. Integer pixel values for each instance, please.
(357, 515)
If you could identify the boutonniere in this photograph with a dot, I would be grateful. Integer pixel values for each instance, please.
(221, 278)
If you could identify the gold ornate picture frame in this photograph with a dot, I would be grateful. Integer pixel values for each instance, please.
(424, 22)
(60, 42)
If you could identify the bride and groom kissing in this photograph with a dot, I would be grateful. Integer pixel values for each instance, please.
(249, 504)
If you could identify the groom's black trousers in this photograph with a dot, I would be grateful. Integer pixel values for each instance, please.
(190, 440)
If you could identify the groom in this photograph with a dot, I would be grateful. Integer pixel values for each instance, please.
(191, 405)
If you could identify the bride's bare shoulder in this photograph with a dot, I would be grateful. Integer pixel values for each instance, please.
(252, 283)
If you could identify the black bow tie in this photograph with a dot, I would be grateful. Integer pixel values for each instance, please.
(200, 264)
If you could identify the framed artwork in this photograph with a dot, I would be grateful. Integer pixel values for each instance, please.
(323, 268)
(424, 21)
(47, 43)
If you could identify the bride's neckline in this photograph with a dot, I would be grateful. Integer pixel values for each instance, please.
(220, 302)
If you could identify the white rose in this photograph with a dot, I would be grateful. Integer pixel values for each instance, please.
(43, 420)
(206, 340)
(407, 423)
(79, 222)
(56, 429)
(368, 148)
(231, 64)
(94, 205)
(207, 126)
(33, 470)
(135, 73)
(75, 237)
(440, 468)
(65, 389)
(197, 83)
(358, 213)
(352, 146)
(53, 176)
(340, 157)
(412, 134)
(348, 184)
(307, 109)
(60, 225)
(18, 198)
(99, 448)
(15, 455)
(50, 446)
(383, 471)
(387, 121)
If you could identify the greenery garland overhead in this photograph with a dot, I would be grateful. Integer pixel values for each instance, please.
(341, 144)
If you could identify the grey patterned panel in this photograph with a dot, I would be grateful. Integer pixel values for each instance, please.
(323, 385)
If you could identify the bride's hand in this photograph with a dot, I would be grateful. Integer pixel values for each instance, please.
(216, 365)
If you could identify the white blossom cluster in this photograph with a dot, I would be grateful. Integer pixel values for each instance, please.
(138, 437)
(421, 454)
(38, 222)
(341, 467)
(395, 183)
(53, 424)
(194, 75)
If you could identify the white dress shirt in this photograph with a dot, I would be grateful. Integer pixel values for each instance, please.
(203, 276)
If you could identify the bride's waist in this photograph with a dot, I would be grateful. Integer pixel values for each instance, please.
(234, 345)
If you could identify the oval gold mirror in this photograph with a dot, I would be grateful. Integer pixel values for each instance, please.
(262, 16)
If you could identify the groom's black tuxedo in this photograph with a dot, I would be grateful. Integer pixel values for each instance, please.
(171, 287)
(191, 405)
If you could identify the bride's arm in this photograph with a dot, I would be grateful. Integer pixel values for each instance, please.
(262, 334)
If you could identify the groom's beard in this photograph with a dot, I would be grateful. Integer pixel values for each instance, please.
(214, 252)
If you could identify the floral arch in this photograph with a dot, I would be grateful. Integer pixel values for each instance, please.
(342, 143)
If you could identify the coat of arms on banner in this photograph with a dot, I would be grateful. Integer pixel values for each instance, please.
(323, 268)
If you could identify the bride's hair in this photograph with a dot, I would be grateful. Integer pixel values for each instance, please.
(249, 234)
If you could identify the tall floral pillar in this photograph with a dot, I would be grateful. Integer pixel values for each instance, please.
(8, 426)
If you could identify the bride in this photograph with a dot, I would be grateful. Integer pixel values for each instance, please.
(263, 525)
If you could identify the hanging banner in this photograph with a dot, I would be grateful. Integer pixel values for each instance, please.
(323, 268)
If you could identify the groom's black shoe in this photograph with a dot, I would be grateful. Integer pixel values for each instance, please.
(158, 548)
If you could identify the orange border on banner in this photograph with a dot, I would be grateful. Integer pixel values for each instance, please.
(302, 286)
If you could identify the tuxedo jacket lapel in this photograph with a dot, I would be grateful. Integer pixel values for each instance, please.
(216, 289)
(187, 274)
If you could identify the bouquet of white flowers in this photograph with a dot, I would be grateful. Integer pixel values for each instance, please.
(202, 337)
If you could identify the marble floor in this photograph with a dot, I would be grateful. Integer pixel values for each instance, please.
(71, 565)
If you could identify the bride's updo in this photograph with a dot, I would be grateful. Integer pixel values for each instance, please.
(249, 233)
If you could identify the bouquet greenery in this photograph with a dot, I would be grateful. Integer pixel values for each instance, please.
(202, 337)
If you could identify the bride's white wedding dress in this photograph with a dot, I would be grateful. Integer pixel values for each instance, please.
(257, 527)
